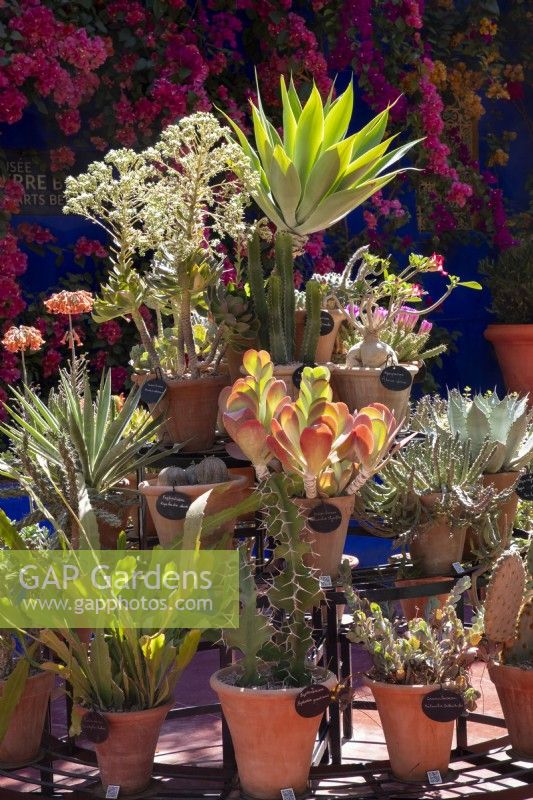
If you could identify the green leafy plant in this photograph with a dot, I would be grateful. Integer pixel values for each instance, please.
(510, 280)
(434, 651)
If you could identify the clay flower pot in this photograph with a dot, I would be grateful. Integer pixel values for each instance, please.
(326, 343)
(327, 546)
(413, 607)
(515, 690)
(415, 742)
(168, 529)
(506, 514)
(284, 372)
(360, 386)
(437, 545)
(233, 356)
(514, 351)
(22, 741)
(126, 757)
(189, 409)
(281, 757)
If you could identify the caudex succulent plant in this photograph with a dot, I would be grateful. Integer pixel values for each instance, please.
(437, 650)
(508, 609)
(324, 449)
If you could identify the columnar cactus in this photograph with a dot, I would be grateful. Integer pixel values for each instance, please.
(508, 617)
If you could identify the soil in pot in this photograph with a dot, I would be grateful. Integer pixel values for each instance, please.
(22, 742)
(326, 526)
(515, 691)
(514, 351)
(360, 386)
(437, 545)
(413, 607)
(126, 757)
(281, 757)
(330, 323)
(416, 743)
(169, 518)
(189, 409)
(506, 514)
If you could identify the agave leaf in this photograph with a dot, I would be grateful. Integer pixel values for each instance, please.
(289, 120)
(337, 117)
(285, 184)
(371, 134)
(497, 459)
(389, 159)
(477, 427)
(294, 100)
(362, 164)
(338, 205)
(262, 141)
(9, 534)
(309, 134)
(324, 175)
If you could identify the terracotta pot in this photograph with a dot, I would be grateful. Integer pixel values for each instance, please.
(168, 529)
(506, 514)
(22, 742)
(413, 607)
(285, 372)
(514, 351)
(233, 357)
(248, 473)
(515, 690)
(437, 545)
(126, 757)
(109, 534)
(189, 409)
(327, 547)
(326, 343)
(360, 386)
(415, 743)
(281, 757)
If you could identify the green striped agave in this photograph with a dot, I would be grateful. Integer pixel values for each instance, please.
(315, 174)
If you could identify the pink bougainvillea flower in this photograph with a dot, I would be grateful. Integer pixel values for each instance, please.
(80, 302)
(22, 338)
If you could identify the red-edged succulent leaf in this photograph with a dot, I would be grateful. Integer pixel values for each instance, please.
(290, 423)
(284, 455)
(249, 435)
(363, 442)
(275, 398)
(258, 364)
(315, 443)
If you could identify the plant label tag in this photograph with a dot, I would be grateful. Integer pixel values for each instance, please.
(173, 505)
(326, 323)
(288, 794)
(443, 705)
(298, 372)
(458, 568)
(153, 390)
(324, 518)
(524, 486)
(112, 792)
(395, 378)
(434, 777)
(313, 700)
(95, 727)
(325, 582)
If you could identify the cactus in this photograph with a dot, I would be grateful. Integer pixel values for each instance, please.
(7, 651)
(313, 298)
(173, 476)
(285, 270)
(278, 342)
(211, 470)
(257, 289)
(508, 611)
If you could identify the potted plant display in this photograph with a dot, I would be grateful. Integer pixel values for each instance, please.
(77, 433)
(126, 681)
(172, 492)
(327, 453)
(311, 176)
(384, 329)
(509, 279)
(178, 200)
(419, 679)
(505, 424)
(507, 622)
(266, 690)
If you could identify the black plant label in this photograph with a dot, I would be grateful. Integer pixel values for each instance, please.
(443, 705)
(297, 374)
(313, 700)
(395, 378)
(173, 505)
(95, 727)
(524, 486)
(326, 323)
(153, 390)
(324, 518)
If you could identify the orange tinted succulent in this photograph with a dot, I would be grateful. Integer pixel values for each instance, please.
(23, 338)
(80, 302)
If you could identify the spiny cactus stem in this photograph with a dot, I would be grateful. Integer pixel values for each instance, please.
(285, 270)
(261, 472)
(312, 321)
(257, 289)
(278, 341)
(146, 339)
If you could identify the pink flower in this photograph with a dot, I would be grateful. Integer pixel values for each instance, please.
(406, 319)
(50, 362)
(69, 121)
(12, 104)
(89, 248)
(62, 158)
(425, 327)
(371, 220)
(110, 331)
(119, 375)
(437, 264)
(13, 195)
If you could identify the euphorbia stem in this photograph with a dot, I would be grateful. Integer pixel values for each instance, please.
(188, 336)
(146, 340)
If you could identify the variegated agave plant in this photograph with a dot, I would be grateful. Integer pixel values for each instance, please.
(315, 174)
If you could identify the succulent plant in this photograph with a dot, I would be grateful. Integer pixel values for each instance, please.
(211, 470)
(173, 476)
(233, 312)
(326, 450)
(433, 651)
(407, 343)
(508, 608)
(509, 279)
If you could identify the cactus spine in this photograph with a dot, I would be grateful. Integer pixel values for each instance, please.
(285, 270)
(256, 280)
(278, 342)
(313, 297)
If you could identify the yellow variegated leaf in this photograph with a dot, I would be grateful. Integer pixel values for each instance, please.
(338, 118)
(309, 135)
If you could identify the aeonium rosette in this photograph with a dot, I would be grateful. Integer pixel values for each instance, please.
(319, 444)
